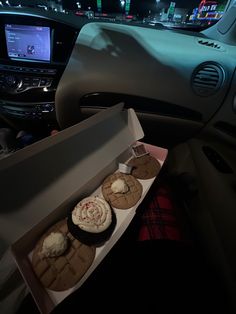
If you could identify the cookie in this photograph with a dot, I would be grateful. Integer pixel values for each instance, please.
(122, 200)
(145, 167)
(62, 272)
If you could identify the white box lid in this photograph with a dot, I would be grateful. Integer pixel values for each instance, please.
(38, 178)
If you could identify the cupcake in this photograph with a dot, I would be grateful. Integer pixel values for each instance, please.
(92, 221)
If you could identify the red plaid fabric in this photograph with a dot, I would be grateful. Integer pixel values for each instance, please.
(158, 217)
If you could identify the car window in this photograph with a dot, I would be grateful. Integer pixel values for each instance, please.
(187, 14)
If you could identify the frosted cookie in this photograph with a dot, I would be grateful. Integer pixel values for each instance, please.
(92, 221)
(59, 265)
(144, 167)
(122, 190)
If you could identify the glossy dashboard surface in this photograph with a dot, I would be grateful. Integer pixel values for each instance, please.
(96, 64)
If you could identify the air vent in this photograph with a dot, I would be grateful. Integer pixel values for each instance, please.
(207, 79)
(210, 43)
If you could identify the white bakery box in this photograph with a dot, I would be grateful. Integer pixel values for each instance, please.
(61, 170)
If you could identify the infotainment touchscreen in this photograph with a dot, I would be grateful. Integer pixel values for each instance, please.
(28, 42)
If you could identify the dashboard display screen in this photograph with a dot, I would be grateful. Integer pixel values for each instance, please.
(28, 42)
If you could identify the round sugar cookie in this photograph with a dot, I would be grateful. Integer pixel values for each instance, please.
(64, 271)
(122, 200)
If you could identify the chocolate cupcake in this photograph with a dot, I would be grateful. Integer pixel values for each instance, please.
(92, 221)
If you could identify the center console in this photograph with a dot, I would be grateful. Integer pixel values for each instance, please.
(18, 79)
(34, 51)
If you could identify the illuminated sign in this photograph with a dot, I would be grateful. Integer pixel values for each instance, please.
(171, 10)
(99, 5)
(206, 6)
(127, 6)
(208, 10)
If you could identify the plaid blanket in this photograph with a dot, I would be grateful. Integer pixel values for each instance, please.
(158, 216)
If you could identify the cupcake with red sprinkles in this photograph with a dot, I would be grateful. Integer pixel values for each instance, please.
(92, 220)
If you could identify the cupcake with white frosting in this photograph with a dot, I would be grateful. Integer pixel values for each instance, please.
(92, 220)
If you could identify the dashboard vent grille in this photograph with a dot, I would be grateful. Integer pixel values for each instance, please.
(207, 79)
(209, 43)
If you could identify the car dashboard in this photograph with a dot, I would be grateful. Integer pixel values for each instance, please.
(147, 69)
(33, 56)
(89, 66)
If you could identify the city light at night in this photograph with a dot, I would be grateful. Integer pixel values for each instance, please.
(152, 12)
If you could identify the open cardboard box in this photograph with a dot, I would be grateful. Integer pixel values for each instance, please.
(97, 144)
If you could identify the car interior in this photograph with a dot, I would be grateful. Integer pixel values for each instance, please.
(182, 86)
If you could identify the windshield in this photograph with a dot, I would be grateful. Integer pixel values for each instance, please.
(188, 14)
